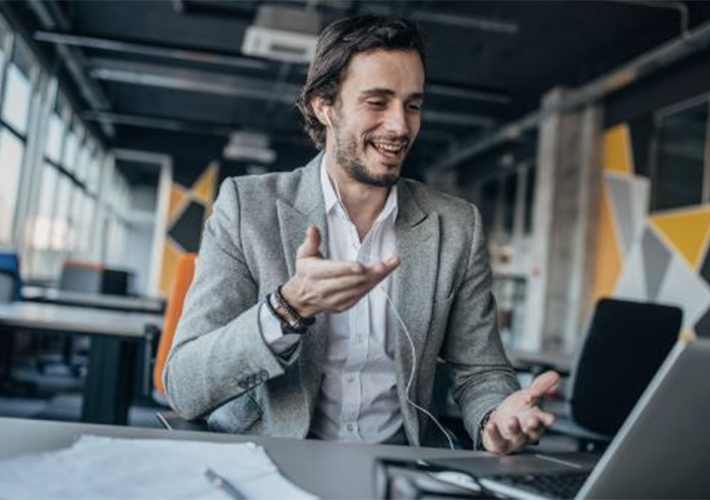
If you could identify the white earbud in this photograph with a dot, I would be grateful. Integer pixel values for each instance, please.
(326, 113)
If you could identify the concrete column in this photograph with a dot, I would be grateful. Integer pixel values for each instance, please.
(565, 218)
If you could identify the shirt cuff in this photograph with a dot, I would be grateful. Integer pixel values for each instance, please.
(280, 344)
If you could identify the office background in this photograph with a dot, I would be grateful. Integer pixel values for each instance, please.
(580, 129)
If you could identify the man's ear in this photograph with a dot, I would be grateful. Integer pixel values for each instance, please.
(322, 111)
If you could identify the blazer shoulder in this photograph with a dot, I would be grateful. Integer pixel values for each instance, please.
(446, 205)
(262, 187)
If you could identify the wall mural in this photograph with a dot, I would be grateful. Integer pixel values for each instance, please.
(189, 208)
(658, 257)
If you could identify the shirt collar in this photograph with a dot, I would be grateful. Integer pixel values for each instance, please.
(331, 198)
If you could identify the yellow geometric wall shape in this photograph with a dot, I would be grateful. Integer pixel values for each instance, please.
(609, 262)
(171, 254)
(178, 200)
(203, 189)
(687, 231)
(617, 150)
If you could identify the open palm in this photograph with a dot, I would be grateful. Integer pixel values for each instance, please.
(518, 421)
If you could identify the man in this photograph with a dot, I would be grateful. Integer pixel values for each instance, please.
(323, 297)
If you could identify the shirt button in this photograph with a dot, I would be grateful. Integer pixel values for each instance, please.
(351, 379)
(350, 427)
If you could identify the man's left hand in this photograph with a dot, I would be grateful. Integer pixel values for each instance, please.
(518, 421)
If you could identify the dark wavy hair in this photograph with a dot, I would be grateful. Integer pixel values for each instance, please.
(337, 45)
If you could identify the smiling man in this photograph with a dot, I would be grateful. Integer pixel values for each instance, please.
(324, 297)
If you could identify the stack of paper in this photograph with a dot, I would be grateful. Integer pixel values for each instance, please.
(106, 468)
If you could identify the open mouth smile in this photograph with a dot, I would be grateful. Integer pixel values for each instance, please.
(390, 151)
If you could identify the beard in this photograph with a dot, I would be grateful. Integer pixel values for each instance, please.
(347, 157)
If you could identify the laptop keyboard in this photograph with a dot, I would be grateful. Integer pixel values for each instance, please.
(561, 485)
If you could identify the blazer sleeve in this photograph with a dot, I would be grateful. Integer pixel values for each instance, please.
(219, 351)
(483, 376)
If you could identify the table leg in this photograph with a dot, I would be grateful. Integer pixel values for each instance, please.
(109, 383)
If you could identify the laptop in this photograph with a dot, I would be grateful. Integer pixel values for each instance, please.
(661, 451)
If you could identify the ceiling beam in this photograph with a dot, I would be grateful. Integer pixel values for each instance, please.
(191, 80)
(151, 49)
(186, 54)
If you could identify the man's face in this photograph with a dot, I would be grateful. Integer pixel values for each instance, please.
(377, 115)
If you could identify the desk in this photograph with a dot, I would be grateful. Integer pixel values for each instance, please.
(327, 469)
(152, 305)
(115, 337)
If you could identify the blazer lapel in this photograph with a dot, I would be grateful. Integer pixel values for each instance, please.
(417, 234)
(307, 209)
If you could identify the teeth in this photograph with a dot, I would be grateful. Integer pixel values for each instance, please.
(390, 148)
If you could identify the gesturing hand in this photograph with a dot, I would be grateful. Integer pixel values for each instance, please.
(518, 421)
(330, 285)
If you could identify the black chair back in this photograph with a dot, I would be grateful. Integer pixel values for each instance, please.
(625, 345)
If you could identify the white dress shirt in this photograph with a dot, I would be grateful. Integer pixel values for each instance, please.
(358, 396)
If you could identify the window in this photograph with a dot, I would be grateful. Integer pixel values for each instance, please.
(86, 223)
(94, 173)
(60, 222)
(82, 162)
(55, 134)
(11, 153)
(679, 176)
(3, 37)
(18, 90)
(69, 156)
(42, 231)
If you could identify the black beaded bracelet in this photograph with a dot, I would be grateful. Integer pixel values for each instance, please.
(291, 311)
(275, 313)
(291, 320)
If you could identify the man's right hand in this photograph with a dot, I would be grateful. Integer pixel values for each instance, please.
(322, 285)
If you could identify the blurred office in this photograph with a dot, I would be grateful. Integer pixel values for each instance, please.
(581, 130)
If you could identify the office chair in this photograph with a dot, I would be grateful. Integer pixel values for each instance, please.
(624, 347)
(184, 273)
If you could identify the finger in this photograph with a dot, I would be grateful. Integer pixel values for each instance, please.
(354, 284)
(381, 270)
(542, 385)
(510, 428)
(384, 267)
(547, 419)
(310, 245)
(513, 433)
(493, 440)
(534, 437)
(344, 300)
(325, 268)
(533, 428)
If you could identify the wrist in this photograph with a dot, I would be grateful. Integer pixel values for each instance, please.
(289, 291)
(291, 319)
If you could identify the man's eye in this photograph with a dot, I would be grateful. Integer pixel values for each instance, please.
(377, 103)
(414, 107)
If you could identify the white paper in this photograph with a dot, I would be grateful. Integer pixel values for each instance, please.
(107, 468)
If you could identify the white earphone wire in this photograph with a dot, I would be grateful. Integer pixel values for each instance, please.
(404, 328)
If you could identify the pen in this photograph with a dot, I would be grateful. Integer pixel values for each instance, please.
(225, 485)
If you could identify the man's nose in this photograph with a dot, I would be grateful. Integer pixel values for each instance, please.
(396, 121)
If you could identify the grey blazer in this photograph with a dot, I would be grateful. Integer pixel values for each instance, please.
(220, 366)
